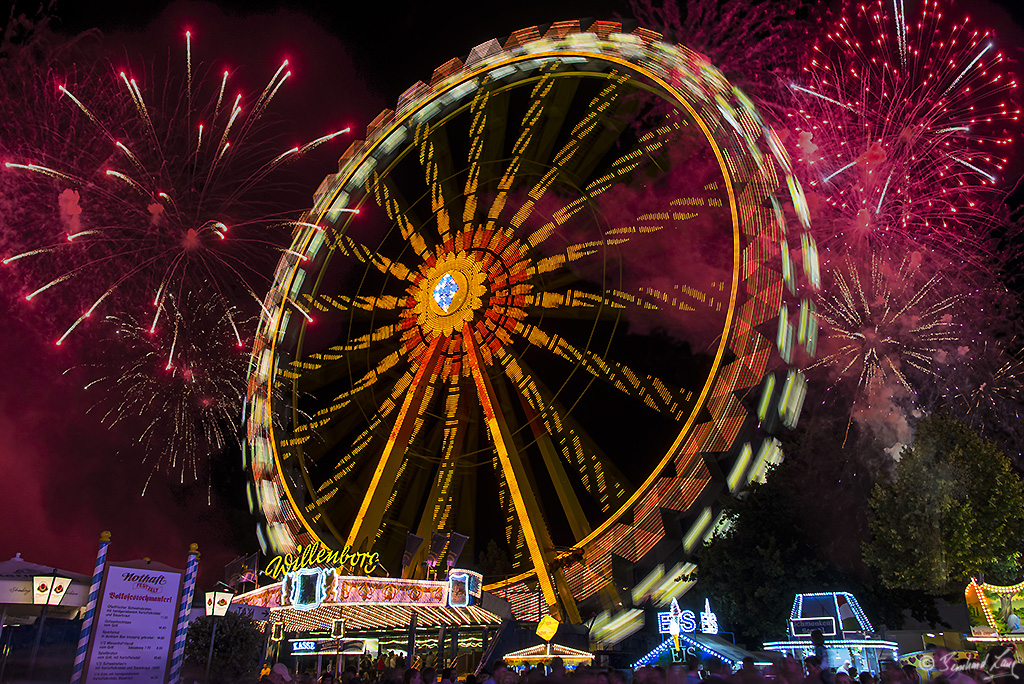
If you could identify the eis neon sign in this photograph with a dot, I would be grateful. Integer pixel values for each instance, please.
(685, 621)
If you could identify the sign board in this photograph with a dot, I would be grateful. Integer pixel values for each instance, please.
(135, 624)
(331, 646)
(687, 622)
(251, 612)
(804, 626)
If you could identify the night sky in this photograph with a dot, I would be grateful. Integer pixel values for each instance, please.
(66, 477)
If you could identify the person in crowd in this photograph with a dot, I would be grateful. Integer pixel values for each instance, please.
(617, 677)
(812, 664)
(471, 679)
(790, 671)
(867, 678)
(279, 674)
(448, 676)
(557, 668)
(948, 667)
(692, 670)
(821, 653)
(842, 678)
(748, 673)
(429, 676)
(716, 671)
(412, 676)
(998, 664)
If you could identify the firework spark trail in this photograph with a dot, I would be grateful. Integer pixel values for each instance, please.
(165, 230)
(883, 322)
(903, 128)
(755, 43)
(162, 244)
(187, 403)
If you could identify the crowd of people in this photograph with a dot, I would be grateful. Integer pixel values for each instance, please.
(998, 667)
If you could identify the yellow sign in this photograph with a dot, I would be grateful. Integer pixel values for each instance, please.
(547, 627)
(318, 555)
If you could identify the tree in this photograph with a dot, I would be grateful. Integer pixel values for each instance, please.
(236, 648)
(493, 561)
(954, 508)
(801, 531)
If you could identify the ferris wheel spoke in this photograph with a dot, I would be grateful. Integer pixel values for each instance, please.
(649, 144)
(345, 245)
(323, 368)
(437, 514)
(586, 145)
(524, 499)
(378, 494)
(478, 112)
(303, 432)
(652, 391)
(598, 473)
(556, 472)
(436, 160)
(549, 103)
(578, 304)
(398, 210)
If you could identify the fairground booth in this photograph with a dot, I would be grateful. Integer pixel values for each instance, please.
(39, 607)
(849, 637)
(995, 613)
(323, 614)
(685, 636)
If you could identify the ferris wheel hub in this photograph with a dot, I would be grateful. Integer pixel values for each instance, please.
(449, 292)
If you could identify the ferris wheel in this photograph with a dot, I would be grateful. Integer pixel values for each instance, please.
(551, 303)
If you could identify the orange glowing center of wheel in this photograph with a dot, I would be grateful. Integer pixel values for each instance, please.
(450, 292)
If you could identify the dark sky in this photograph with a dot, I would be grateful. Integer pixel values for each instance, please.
(65, 477)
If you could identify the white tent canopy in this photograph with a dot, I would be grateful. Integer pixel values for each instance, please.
(16, 577)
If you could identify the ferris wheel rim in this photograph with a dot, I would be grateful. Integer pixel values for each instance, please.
(381, 137)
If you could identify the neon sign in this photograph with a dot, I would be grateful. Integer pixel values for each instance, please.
(303, 647)
(464, 587)
(708, 620)
(305, 589)
(316, 555)
(687, 621)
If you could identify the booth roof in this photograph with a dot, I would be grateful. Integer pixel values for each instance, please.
(19, 568)
(540, 653)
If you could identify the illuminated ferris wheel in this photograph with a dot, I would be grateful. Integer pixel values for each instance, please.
(549, 302)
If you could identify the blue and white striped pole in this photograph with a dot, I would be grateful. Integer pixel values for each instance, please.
(90, 609)
(178, 653)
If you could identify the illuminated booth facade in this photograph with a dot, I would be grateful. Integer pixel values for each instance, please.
(848, 634)
(324, 611)
(691, 634)
(995, 613)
